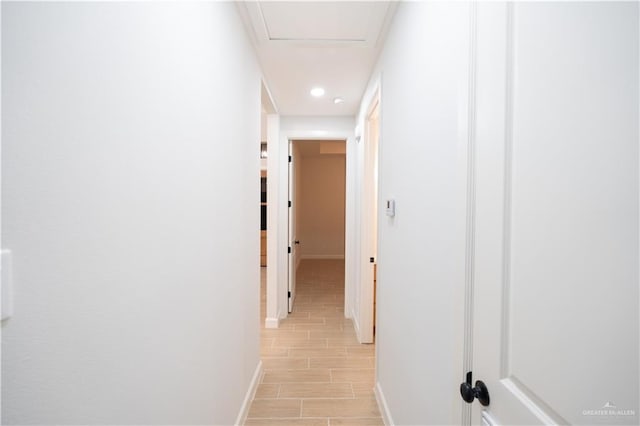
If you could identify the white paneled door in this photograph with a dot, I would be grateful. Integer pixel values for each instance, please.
(555, 184)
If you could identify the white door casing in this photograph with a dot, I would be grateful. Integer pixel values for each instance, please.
(369, 220)
(281, 130)
(293, 246)
(555, 293)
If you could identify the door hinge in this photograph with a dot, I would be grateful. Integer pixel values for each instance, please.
(290, 158)
(289, 250)
(289, 295)
(289, 203)
(372, 260)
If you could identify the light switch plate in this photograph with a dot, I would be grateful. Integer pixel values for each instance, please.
(391, 208)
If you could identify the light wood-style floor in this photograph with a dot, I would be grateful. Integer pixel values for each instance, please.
(315, 371)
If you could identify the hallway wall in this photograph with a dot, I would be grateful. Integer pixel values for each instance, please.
(421, 249)
(130, 200)
(322, 202)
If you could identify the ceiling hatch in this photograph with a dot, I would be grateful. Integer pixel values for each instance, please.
(334, 22)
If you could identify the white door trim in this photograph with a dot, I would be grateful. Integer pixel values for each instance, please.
(293, 255)
(369, 228)
(277, 286)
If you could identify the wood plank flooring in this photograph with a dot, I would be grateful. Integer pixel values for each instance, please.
(315, 373)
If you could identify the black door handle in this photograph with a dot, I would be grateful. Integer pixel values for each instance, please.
(479, 392)
(296, 242)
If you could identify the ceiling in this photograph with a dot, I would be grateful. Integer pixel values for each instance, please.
(306, 44)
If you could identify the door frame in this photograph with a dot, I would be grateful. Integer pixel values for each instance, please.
(292, 224)
(294, 257)
(284, 130)
(462, 316)
(369, 223)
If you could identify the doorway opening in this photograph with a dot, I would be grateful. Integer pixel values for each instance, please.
(369, 223)
(267, 229)
(317, 204)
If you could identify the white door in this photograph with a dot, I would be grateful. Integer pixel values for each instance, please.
(293, 242)
(555, 300)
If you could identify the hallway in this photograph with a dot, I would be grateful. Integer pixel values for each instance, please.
(491, 162)
(314, 370)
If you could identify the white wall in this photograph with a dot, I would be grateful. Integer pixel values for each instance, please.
(420, 251)
(130, 201)
(321, 206)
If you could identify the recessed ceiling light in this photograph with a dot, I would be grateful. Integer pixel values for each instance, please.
(338, 100)
(317, 92)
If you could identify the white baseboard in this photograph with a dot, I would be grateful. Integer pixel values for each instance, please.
(356, 326)
(348, 313)
(322, 256)
(382, 405)
(271, 322)
(251, 392)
